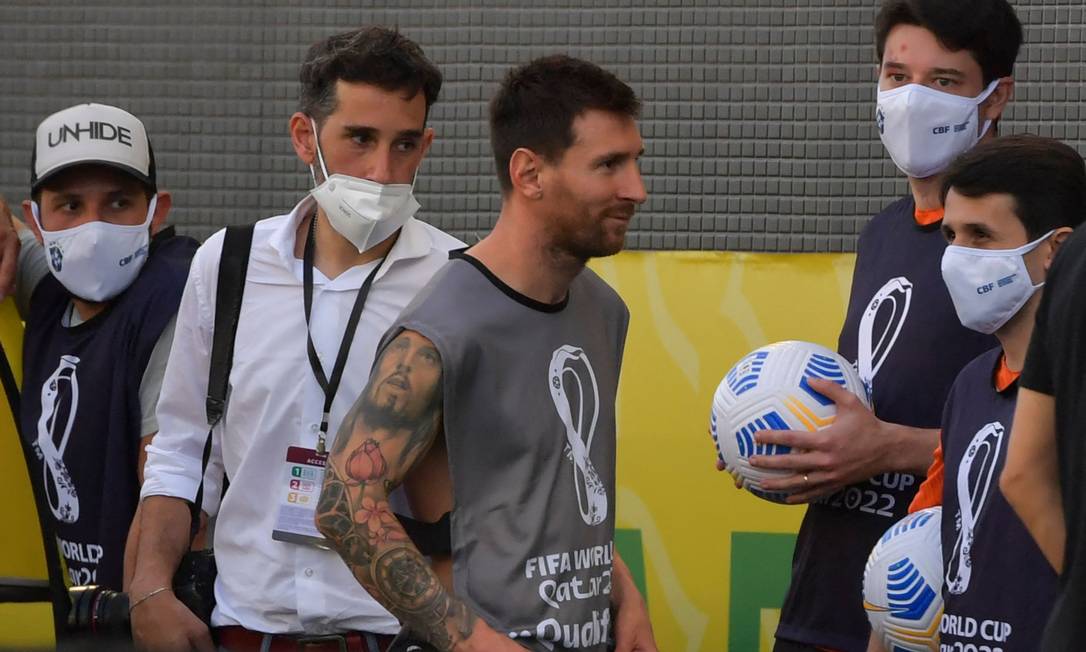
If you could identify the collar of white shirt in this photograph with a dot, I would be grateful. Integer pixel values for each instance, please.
(274, 263)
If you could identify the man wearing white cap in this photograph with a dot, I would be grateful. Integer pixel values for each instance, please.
(98, 283)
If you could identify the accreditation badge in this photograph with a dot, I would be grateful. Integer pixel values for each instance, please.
(299, 491)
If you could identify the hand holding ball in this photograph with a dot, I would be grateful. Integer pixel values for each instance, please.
(768, 390)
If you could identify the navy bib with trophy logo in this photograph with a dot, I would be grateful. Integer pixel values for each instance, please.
(908, 345)
(81, 411)
(999, 588)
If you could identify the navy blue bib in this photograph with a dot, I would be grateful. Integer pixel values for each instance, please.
(907, 342)
(999, 588)
(81, 410)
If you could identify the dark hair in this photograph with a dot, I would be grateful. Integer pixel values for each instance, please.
(1046, 178)
(537, 103)
(372, 55)
(987, 29)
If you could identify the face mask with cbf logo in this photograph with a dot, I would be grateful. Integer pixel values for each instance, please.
(988, 286)
(97, 261)
(924, 129)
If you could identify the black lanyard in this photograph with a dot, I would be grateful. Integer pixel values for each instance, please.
(330, 385)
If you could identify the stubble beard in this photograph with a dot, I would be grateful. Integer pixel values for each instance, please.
(586, 236)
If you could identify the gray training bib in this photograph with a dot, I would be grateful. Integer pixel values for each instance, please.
(529, 398)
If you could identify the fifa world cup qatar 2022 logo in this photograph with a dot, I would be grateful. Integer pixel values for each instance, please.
(976, 481)
(880, 326)
(59, 402)
(576, 396)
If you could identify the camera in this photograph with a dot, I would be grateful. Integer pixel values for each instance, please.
(98, 610)
(101, 612)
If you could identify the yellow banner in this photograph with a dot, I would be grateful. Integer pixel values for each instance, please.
(714, 561)
(23, 626)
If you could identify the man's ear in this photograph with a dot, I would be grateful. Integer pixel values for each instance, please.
(1055, 241)
(424, 147)
(303, 139)
(992, 107)
(162, 209)
(525, 171)
(28, 217)
(427, 141)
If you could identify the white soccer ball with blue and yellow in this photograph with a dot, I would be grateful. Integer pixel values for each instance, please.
(767, 390)
(903, 584)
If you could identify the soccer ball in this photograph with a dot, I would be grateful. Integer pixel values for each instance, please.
(903, 584)
(768, 390)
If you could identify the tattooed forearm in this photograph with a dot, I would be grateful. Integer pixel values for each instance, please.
(334, 513)
(377, 550)
(392, 425)
(418, 599)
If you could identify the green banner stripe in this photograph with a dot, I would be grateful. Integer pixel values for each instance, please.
(761, 570)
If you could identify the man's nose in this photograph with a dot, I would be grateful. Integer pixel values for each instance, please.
(633, 187)
(380, 167)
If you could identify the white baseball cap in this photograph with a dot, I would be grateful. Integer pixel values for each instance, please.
(92, 133)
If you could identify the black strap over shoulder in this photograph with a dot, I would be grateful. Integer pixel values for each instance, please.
(233, 266)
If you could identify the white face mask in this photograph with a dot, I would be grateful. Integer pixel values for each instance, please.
(363, 211)
(988, 286)
(924, 129)
(97, 261)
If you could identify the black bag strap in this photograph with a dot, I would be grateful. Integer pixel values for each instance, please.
(233, 266)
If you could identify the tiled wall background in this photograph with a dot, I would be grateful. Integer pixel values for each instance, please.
(758, 113)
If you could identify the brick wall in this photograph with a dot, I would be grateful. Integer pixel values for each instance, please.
(757, 119)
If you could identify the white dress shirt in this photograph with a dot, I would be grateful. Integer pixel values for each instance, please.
(275, 402)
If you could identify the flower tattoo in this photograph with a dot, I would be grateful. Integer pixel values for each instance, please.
(366, 463)
(380, 523)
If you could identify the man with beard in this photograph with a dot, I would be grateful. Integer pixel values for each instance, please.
(521, 346)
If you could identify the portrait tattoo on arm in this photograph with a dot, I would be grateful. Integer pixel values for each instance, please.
(391, 426)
